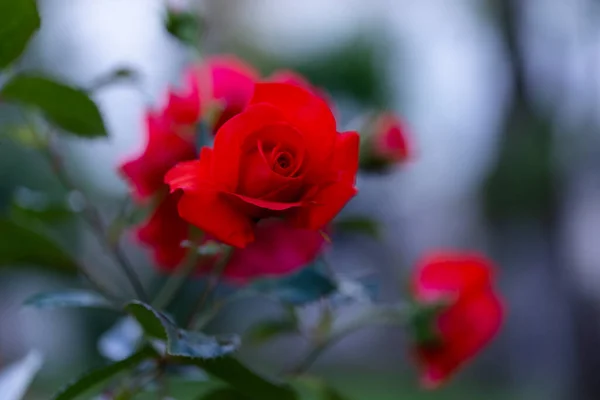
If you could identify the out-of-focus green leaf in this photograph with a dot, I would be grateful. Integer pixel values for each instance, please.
(152, 322)
(19, 20)
(69, 298)
(244, 380)
(184, 26)
(268, 329)
(31, 205)
(357, 224)
(180, 343)
(69, 108)
(93, 378)
(225, 393)
(16, 378)
(20, 245)
(196, 344)
(306, 286)
(311, 388)
(22, 134)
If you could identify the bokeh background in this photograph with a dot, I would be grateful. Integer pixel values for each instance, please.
(502, 100)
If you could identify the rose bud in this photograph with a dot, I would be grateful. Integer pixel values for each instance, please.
(281, 157)
(385, 143)
(457, 312)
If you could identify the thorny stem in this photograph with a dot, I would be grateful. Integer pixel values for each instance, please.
(92, 217)
(380, 316)
(213, 281)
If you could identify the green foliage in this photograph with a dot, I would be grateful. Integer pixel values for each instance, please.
(244, 380)
(69, 108)
(184, 26)
(101, 375)
(19, 20)
(306, 286)
(20, 245)
(152, 322)
(357, 224)
(225, 393)
(269, 329)
(69, 298)
(180, 343)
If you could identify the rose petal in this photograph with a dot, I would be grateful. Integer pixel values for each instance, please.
(323, 206)
(164, 148)
(183, 106)
(208, 211)
(230, 81)
(164, 232)
(345, 155)
(228, 146)
(191, 175)
(279, 249)
(306, 112)
(443, 273)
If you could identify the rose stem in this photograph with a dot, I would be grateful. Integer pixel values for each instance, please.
(213, 281)
(92, 217)
(176, 281)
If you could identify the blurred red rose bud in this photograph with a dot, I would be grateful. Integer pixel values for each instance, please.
(457, 312)
(384, 143)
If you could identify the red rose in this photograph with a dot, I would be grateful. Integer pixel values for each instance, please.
(470, 315)
(386, 143)
(279, 249)
(281, 157)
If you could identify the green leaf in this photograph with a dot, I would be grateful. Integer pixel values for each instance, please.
(244, 380)
(69, 298)
(152, 322)
(180, 342)
(93, 378)
(306, 286)
(68, 107)
(358, 224)
(184, 26)
(268, 329)
(31, 205)
(225, 393)
(196, 344)
(20, 245)
(19, 20)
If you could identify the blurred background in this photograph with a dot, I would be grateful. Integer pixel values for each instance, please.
(502, 101)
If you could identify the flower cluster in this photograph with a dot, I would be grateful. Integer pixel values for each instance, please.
(276, 175)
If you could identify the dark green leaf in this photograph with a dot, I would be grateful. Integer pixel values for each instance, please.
(119, 75)
(184, 26)
(180, 342)
(69, 298)
(100, 375)
(266, 330)
(68, 107)
(31, 205)
(225, 393)
(154, 324)
(306, 286)
(244, 380)
(358, 224)
(19, 20)
(20, 245)
(330, 393)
